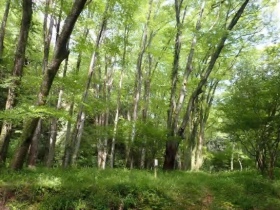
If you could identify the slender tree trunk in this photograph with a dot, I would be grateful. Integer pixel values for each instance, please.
(103, 142)
(116, 120)
(79, 125)
(261, 159)
(102, 153)
(54, 123)
(199, 145)
(67, 151)
(191, 103)
(173, 143)
(3, 28)
(47, 36)
(211, 65)
(138, 83)
(5, 140)
(33, 149)
(146, 99)
(107, 86)
(240, 163)
(187, 72)
(175, 107)
(113, 146)
(60, 53)
(59, 20)
(189, 162)
(76, 140)
(53, 135)
(17, 74)
(205, 104)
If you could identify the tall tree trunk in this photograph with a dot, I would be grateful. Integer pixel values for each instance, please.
(54, 123)
(171, 154)
(3, 28)
(47, 33)
(116, 120)
(174, 73)
(198, 138)
(59, 20)
(172, 144)
(47, 36)
(176, 106)
(68, 150)
(205, 104)
(146, 99)
(232, 156)
(240, 163)
(79, 125)
(187, 72)
(138, 83)
(53, 135)
(17, 74)
(33, 149)
(191, 147)
(60, 54)
(211, 65)
(102, 147)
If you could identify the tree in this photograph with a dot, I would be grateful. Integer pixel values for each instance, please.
(173, 143)
(3, 28)
(252, 109)
(61, 52)
(16, 72)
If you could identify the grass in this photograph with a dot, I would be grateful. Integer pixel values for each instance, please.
(125, 189)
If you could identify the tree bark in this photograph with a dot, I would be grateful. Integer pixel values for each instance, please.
(3, 28)
(79, 125)
(33, 149)
(138, 83)
(68, 150)
(53, 134)
(187, 72)
(54, 123)
(102, 147)
(174, 73)
(191, 103)
(146, 100)
(116, 120)
(204, 103)
(60, 54)
(17, 74)
(175, 106)
(47, 34)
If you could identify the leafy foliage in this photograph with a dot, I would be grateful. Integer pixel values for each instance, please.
(252, 107)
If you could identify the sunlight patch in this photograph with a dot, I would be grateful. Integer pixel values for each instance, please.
(49, 181)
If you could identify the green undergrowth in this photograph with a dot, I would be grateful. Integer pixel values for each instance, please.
(134, 189)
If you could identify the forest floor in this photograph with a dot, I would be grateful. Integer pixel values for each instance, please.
(119, 189)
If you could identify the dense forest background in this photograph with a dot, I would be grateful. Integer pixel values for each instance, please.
(119, 83)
